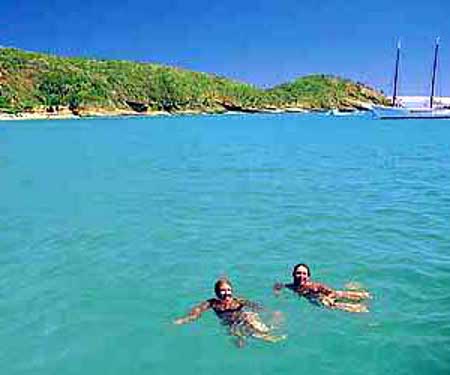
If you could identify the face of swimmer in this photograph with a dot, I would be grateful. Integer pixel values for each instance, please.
(224, 291)
(301, 274)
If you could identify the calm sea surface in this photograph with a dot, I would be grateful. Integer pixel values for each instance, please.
(112, 228)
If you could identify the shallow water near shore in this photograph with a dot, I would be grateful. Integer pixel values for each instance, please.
(112, 228)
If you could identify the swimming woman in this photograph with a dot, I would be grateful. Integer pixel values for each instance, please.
(234, 313)
(318, 293)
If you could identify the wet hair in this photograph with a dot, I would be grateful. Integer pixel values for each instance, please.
(297, 266)
(220, 283)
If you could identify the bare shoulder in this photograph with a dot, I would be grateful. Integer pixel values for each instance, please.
(321, 287)
(241, 300)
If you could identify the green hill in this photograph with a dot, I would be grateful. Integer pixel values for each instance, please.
(326, 92)
(32, 82)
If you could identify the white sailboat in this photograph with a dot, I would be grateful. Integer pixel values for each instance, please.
(398, 111)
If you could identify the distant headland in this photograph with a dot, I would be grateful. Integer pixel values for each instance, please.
(41, 86)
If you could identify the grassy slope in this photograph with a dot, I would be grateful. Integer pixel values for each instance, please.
(325, 92)
(29, 81)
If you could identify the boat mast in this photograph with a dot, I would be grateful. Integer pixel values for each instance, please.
(397, 63)
(433, 77)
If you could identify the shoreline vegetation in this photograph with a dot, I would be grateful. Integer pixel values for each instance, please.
(41, 86)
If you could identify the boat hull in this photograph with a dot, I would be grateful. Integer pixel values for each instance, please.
(393, 113)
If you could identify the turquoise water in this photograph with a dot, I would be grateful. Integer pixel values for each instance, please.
(112, 228)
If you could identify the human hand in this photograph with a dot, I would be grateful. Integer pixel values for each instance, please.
(328, 301)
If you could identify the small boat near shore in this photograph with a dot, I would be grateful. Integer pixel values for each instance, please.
(347, 113)
(339, 112)
(400, 112)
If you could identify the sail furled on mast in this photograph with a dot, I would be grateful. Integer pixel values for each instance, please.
(397, 66)
(433, 75)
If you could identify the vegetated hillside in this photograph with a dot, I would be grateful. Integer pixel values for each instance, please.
(31, 80)
(34, 81)
(326, 92)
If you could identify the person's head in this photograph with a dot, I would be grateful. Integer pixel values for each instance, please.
(223, 289)
(301, 273)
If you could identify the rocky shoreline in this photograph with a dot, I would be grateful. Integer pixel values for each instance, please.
(135, 109)
(65, 113)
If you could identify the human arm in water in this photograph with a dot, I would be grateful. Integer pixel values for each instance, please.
(195, 313)
(332, 303)
(351, 295)
(324, 290)
(331, 298)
